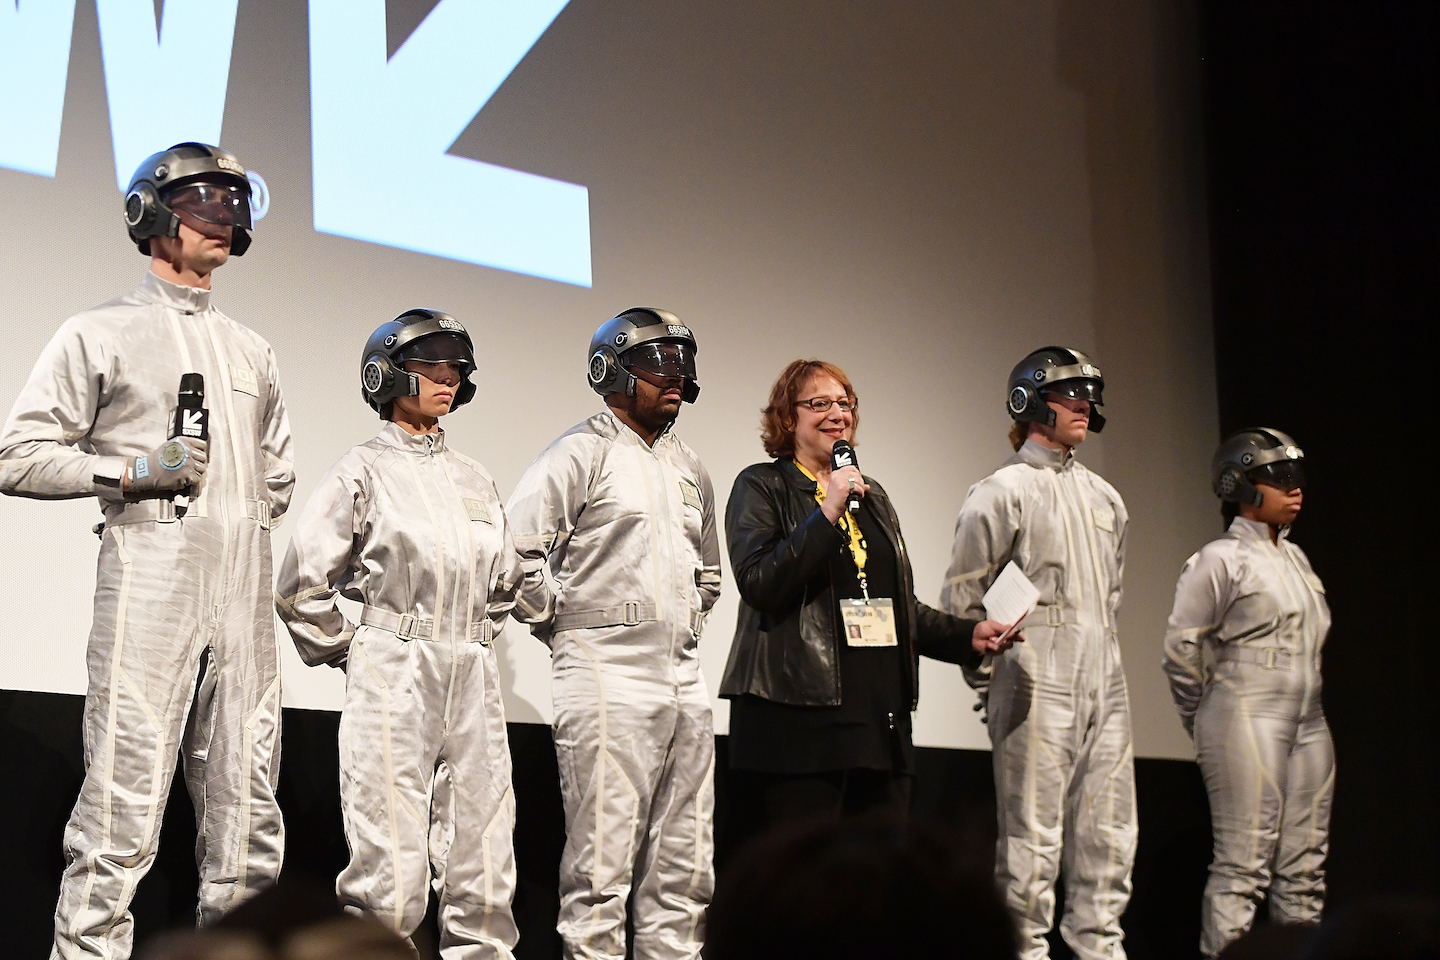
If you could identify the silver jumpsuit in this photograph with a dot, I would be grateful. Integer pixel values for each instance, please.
(1059, 712)
(625, 537)
(1242, 652)
(416, 533)
(167, 591)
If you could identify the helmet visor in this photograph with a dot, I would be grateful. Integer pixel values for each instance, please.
(1079, 389)
(440, 348)
(221, 204)
(1285, 474)
(661, 360)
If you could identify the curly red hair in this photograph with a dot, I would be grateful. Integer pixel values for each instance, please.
(777, 420)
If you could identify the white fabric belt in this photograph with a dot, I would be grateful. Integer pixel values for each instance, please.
(1271, 658)
(1046, 615)
(407, 626)
(259, 511)
(629, 614)
(162, 510)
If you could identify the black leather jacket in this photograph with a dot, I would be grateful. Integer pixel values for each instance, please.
(787, 638)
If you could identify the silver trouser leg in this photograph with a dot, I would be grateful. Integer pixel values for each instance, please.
(473, 818)
(675, 876)
(142, 662)
(241, 830)
(195, 749)
(1032, 720)
(390, 731)
(612, 732)
(1244, 759)
(1297, 893)
(1101, 832)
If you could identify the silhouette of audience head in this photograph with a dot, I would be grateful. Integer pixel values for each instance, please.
(870, 887)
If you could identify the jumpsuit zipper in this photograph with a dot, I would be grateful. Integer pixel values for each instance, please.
(439, 613)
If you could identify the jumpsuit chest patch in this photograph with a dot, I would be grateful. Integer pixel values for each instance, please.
(243, 379)
(1104, 519)
(690, 494)
(477, 510)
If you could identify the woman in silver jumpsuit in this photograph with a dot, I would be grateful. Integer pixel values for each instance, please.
(415, 532)
(1242, 653)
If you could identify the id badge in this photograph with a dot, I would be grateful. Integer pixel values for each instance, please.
(869, 623)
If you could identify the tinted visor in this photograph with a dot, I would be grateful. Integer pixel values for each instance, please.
(222, 204)
(1077, 390)
(1285, 474)
(440, 348)
(662, 360)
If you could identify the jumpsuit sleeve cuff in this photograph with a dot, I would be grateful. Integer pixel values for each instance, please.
(107, 473)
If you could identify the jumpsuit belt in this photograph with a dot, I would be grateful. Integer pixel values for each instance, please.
(629, 614)
(407, 626)
(1271, 658)
(1046, 615)
(162, 510)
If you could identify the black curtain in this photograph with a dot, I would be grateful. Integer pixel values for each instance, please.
(1323, 143)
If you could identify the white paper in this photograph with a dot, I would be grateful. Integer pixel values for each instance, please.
(1011, 597)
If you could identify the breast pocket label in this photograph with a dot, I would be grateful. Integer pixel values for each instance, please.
(1104, 519)
(690, 494)
(243, 379)
(477, 510)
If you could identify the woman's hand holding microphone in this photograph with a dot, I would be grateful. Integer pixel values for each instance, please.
(837, 491)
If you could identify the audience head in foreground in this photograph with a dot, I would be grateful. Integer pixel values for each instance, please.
(871, 887)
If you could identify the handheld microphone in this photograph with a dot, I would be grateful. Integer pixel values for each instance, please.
(191, 418)
(843, 455)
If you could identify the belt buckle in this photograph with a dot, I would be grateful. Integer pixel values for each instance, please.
(1054, 616)
(632, 614)
(1270, 656)
(262, 508)
(405, 631)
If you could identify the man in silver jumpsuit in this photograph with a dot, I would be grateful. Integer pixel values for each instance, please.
(619, 516)
(1059, 712)
(172, 592)
(1242, 653)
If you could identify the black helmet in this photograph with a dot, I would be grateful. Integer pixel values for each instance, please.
(1251, 455)
(1058, 370)
(196, 178)
(636, 339)
(418, 334)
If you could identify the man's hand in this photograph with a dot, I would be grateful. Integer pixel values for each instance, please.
(173, 467)
(987, 638)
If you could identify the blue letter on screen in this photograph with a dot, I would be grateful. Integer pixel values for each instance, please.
(34, 58)
(166, 89)
(380, 131)
(162, 90)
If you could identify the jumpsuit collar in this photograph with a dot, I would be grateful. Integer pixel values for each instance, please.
(1039, 455)
(625, 428)
(173, 295)
(1254, 530)
(402, 439)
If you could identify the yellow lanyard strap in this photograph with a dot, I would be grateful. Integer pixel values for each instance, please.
(847, 523)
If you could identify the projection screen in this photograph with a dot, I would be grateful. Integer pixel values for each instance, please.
(920, 192)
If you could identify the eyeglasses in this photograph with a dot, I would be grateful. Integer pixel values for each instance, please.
(823, 404)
